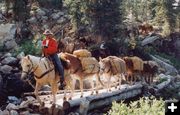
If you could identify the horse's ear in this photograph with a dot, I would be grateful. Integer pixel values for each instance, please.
(28, 57)
(100, 58)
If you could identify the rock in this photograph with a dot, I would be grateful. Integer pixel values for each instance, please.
(29, 100)
(25, 113)
(40, 12)
(3, 10)
(5, 112)
(55, 16)
(8, 60)
(10, 44)
(1, 113)
(32, 13)
(6, 69)
(44, 18)
(32, 20)
(13, 112)
(6, 55)
(11, 106)
(14, 100)
(1, 78)
(20, 55)
(61, 20)
(7, 30)
(46, 88)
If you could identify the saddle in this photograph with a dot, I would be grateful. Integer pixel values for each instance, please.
(89, 63)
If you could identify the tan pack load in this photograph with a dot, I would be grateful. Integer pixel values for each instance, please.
(89, 64)
(137, 63)
(118, 65)
(82, 53)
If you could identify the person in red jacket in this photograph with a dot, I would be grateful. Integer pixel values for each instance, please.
(50, 49)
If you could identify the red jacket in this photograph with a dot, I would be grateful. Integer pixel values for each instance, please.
(52, 46)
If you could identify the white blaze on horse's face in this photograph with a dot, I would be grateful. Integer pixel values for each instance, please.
(26, 67)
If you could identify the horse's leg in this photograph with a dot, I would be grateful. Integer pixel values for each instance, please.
(54, 91)
(72, 87)
(109, 83)
(92, 87)
(97, 82)
(81, 87)
(120, 79)
(36, 93)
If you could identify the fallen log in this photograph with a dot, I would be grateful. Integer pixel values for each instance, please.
(49, 92)
(85, 104)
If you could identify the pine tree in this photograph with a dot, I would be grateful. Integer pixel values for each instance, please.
(165, 15)
(106, 17)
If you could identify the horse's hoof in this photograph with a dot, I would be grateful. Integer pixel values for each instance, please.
(92, 93)
(97, 92)
(81, 96)
(64, 99)
(70, 98)
(115, 87)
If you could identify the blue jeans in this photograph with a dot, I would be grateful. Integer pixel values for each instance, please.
(58, 65)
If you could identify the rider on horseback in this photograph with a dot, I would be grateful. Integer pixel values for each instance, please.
(50, 49)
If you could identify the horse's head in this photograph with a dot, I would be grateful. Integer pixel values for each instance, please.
(27, 66)
(104, 65)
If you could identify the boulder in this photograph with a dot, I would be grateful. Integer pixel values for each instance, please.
(13, 112)
(32, 20)
(7, 29)
(29, 100)
(11, 106)
(1, 78)
(7, 33)
(6, 69)
(55, 16)
(9, 60)
(20, 55)
(40, 12)
(5, 112)
(61, 20)
(10, 44)
(6, 55)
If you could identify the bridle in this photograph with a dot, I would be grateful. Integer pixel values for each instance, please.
(31, 69)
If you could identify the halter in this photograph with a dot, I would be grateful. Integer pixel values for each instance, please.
(30, 70)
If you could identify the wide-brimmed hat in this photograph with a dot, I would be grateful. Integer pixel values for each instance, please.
(47, 32)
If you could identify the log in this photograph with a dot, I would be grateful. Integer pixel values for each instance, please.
(169, 68)
(149, 40)
(49, 92)
(164, 84)
(85, 104)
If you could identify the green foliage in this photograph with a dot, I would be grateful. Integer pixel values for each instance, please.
(28, 48)
(103, 17)
(166, 15)
(160, 80)
(144, 106)
(175, 61)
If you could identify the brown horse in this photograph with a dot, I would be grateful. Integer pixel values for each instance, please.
(134, 66)
(149, 70)
(112, 66)
(78, 73)
(44, 73)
